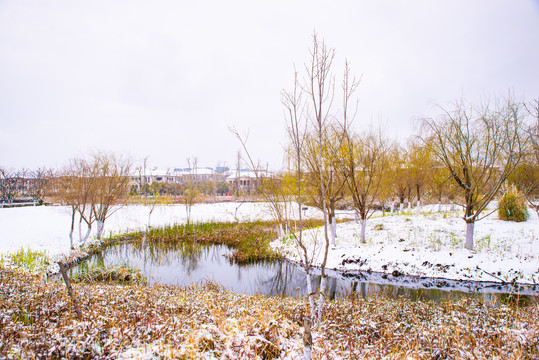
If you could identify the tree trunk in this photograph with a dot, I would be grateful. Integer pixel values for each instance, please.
(418, 207)
(310, 295)
(71, 231)
(392, 208)
(332, 288)
(439, 206)
(80, 231)
(333, 231)
(363, 228)
(83, 240)
(307, 339)
(323, 282)
(356, 217)
(70, 291)
(469, 235)
(100, 228)
(71, 239)
(400, 208)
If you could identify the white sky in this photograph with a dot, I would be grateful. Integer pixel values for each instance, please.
(165, 79)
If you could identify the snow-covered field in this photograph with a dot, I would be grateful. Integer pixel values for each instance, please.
(47, 227)
(429, 245)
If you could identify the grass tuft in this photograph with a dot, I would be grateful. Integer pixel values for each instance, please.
(30, 260)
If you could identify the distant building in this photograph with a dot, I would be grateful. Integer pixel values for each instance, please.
(198, 175)
(140, 177)
(239, 181)
(243, 181)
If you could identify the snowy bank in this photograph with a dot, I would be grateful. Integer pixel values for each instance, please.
(432, 245)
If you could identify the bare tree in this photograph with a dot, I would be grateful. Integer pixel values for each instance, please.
(153, 201)
(289, 189)
(93, 190)
(75, 186)
(480, 146)
(37, 185)
(142, 178)
(150, 196)
(326, 138)
(111, 174)
(8, 185)
(296, 130)
(316, 138)
(238, 174)
(190, 190)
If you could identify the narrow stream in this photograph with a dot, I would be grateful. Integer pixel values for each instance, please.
(185, 264)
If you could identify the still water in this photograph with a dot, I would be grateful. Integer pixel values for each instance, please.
(183, 264)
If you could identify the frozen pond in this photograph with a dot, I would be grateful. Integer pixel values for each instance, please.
(185, 264)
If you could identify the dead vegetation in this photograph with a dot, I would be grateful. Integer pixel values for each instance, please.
(37, 321)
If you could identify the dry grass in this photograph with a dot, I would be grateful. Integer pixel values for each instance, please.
(119, 275)
(37, 321)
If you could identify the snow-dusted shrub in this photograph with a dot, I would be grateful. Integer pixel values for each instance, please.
(512, 206)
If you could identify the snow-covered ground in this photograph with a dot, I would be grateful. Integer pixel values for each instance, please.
(47, 227)
(430, 245)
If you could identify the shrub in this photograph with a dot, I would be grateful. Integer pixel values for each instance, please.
(512, 206)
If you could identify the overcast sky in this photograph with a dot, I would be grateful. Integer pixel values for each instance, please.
(165, 79)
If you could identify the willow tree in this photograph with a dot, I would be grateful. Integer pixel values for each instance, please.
(439, 183)
(399, 174)
(366, 164)
(480, 146)
(419, 167)
(325, 178)
(533, 110)
(526, 176)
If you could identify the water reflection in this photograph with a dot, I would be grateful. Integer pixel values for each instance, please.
(185, 263)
